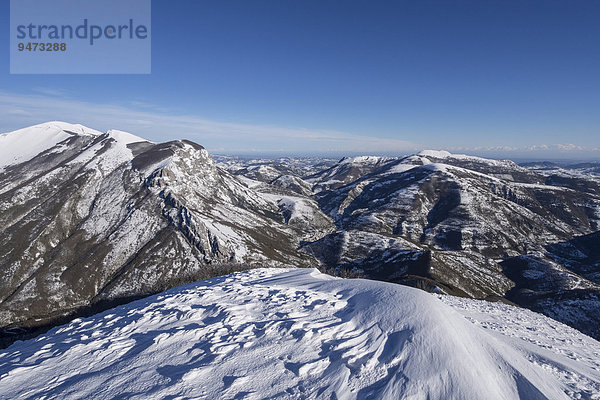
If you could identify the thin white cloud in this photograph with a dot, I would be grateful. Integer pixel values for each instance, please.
(159, 126)
(50, 91)
(17, 111)
(569, 147)
(536, 148)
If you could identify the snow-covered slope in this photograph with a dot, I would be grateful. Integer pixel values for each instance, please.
(292, 334)
(346, 171)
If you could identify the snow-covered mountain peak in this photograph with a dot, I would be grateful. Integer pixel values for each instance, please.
(445, 156)
(435, 153)
(179, 156)
(134, 212)
(73, 129)
(24, 144)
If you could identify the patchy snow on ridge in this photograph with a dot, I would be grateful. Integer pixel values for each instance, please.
(297, 333)
(363, 160)
(443, 154)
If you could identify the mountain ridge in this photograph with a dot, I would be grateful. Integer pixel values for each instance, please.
(95, 217)
(87, 220)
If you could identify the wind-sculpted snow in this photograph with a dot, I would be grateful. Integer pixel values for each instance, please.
(572, 358)
(296, 333)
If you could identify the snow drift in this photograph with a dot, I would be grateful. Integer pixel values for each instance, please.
(297, 333)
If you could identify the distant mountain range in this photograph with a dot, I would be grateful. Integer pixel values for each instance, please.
(90, 219)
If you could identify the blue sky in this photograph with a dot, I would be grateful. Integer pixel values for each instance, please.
(513, 79)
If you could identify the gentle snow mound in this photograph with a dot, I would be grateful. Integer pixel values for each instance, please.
(276, 333)
(435, 153)
(124, 137)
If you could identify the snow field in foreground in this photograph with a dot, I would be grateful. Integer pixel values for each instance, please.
(297, 333)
